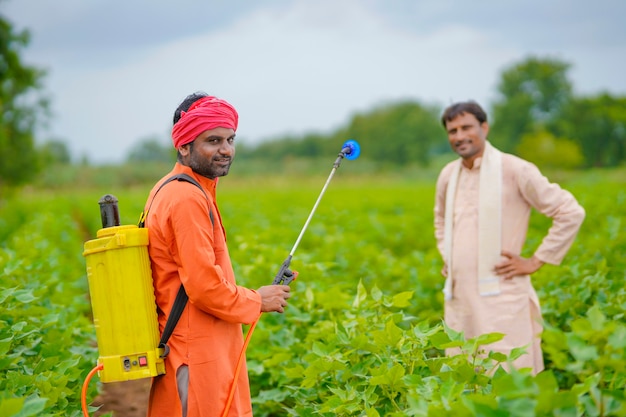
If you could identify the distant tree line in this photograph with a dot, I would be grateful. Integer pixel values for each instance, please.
(535, 115)
(394, 133)
(538, 117)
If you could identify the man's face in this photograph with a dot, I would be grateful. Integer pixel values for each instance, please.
(467, 136)
(211, 153)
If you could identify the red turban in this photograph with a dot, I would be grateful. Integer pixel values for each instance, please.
(205, 114)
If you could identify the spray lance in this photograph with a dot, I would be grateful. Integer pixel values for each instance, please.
(350, 150)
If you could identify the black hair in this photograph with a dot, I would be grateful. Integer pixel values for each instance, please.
(184, 106)
(458, 109)
(187, 102)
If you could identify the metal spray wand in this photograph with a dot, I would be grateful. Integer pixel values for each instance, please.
(350, 150)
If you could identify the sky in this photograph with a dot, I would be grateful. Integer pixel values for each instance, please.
(117, 69)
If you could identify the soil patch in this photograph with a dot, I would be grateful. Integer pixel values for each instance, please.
(124, 399)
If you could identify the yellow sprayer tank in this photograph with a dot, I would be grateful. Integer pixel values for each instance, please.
(123, 303)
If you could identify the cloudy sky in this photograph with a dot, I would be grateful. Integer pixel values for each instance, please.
(117, 69)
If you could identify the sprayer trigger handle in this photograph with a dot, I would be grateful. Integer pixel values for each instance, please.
(285, 276)
(290, 278)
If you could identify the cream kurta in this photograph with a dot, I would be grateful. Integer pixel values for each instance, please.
(515, 311)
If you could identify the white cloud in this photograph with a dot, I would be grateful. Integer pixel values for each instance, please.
(306, 68)
(300, 67)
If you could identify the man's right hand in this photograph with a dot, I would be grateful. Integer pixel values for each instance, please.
(274, 298)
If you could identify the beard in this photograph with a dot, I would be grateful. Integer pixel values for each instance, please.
(467, 148)
(216, 166)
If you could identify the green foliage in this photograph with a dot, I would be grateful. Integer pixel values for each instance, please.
(310, 145)
(598, 124)
(546, 151)
(152, 150)
(368, 358)
(400, 133)
(362, 335)
(533, 93)
(54, 152)
(20, 108)
(104, 177)
(46, 336)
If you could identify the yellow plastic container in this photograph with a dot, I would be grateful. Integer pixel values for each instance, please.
(123, 304)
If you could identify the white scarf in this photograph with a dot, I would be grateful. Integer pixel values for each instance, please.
(489, 222)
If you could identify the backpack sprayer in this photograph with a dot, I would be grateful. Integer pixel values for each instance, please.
(123, 301)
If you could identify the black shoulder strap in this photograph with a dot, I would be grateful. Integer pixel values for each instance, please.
(177, 177)
(181, 296)
(172, 320)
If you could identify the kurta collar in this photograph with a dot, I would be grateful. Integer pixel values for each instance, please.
(206, 183)
(476, 166)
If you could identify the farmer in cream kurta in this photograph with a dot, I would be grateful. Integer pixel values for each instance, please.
(482, 209)
(188, 247)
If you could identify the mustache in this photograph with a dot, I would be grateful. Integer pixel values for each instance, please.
(222, 158)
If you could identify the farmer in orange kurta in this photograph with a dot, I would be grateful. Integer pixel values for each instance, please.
(188, 247)
(482, 210)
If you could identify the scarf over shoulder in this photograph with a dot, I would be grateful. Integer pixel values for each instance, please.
(489, 222)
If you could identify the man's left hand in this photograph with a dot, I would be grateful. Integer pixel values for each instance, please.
(515, 265)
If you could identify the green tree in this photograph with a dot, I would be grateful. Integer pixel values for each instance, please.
(54, 152)
(22, 108)
(532, 96)
(307, 146)
(598, 125)
(151, 149)
(547, 151)
(400, 133)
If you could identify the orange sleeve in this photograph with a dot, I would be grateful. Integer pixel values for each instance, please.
(203, 262)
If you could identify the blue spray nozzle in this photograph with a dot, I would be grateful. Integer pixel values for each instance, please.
(351, 149)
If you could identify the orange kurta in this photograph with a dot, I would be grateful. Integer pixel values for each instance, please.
(515, 311)
(187, 247)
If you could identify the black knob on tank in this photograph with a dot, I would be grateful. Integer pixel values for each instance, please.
(109, 211)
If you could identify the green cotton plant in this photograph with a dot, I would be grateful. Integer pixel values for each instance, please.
(46, 337)
(369, 359)
(363, 333)
(593, 354)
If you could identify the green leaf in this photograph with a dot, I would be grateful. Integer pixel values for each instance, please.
(514, 385)
(596, 318)
(6, 293)
(580, 349)
(24, 296)
(488, 338)
(376, 293)
(617, 339)
(402, 299)
(32, 407)
(371, 412)
(9, 407)
(361, 295)
(392, 377)
(443, 341)
(391, 336)
(5, 345)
